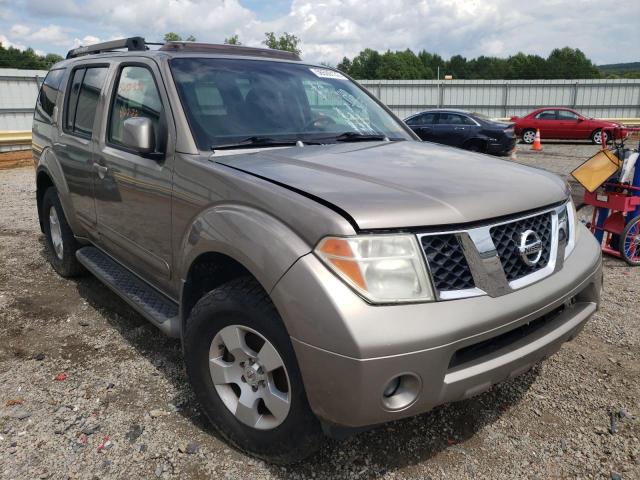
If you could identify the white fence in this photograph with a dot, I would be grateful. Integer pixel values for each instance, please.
(18, 93)
(496, 98)
(619, 98)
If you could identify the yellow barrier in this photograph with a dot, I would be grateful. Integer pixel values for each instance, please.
(14, 137)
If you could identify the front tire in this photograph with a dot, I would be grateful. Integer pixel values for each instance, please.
(244, 372)
(596, 137)
(528, 136)
(60, 242)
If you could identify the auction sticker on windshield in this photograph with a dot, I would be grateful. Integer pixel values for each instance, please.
(326, 73)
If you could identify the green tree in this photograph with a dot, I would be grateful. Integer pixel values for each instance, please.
(287, 41)
(28, 59)
(431, 62)
(344, 66)
(365, 64)
(570, 63)
(232, 40)
(457, 66)
(172, 37)
(402, 65)
(176, 37)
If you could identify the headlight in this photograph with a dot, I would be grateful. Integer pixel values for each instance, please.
(573, 224)
(381, 268)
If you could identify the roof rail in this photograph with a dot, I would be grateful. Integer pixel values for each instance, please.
(131, 44)
(196, 47)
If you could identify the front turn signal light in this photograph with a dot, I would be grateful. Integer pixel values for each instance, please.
(381, 268)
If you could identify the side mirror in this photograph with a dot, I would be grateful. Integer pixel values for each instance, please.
(580, 119)
(137, 134)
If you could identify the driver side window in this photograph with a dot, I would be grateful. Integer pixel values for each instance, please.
(136, 96)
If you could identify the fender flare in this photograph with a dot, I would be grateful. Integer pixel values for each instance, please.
(262, 244)
(48, 165)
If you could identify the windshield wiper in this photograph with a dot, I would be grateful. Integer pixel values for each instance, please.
(255, 141)
(355, 137)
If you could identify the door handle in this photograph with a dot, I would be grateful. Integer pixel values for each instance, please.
(459, 128)
(102, 170)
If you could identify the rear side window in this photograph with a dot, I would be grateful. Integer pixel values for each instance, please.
(546, 115)
(451, 119)
(48, 95)
(137, 96)
(82, 104)
(423, 119)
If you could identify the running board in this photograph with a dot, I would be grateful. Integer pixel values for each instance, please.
(149, 302)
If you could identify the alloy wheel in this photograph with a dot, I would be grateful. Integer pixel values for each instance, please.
(250, 377)
(56, 232)
(528, 136)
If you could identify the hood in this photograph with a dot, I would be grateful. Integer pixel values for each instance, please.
(404, 184)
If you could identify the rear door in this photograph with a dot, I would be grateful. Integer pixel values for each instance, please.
(422, 125)
(75, 149)
(546, 122)
(133, 191)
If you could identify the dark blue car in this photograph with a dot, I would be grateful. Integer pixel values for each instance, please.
(463, 129)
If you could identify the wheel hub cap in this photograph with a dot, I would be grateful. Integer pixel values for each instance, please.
(250, 377)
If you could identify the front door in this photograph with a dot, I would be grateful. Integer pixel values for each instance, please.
(568, 125)
(451, 129)
(133, 190)
(422, 125)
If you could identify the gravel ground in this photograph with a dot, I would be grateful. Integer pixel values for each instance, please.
(88, 389)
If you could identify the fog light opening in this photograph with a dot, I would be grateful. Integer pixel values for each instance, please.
(392, 387)
(401, 391)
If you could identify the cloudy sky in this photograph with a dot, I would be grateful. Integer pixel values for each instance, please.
(606, 30)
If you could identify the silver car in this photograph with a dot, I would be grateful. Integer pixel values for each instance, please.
(325, 270)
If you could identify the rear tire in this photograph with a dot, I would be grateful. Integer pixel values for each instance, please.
(60, 242)
(284, 434)
(528, 136)
(476, 146)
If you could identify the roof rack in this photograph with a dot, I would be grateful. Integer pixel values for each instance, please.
(197, 47)
(131, 44)
(139, 44)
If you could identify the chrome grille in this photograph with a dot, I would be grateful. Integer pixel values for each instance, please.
(506, 238)
(449, 267)
(486, 259)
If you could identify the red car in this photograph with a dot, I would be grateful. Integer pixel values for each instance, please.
(563, 123)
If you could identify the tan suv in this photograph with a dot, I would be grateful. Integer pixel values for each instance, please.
(324, 269)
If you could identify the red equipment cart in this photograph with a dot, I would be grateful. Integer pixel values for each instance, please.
(616, 214)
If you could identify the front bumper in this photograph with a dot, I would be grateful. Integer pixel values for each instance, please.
(349, 350)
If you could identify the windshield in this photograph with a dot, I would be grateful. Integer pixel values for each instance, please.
(232, 100)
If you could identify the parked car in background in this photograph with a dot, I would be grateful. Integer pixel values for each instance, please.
(463, 129)
(564, 124)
